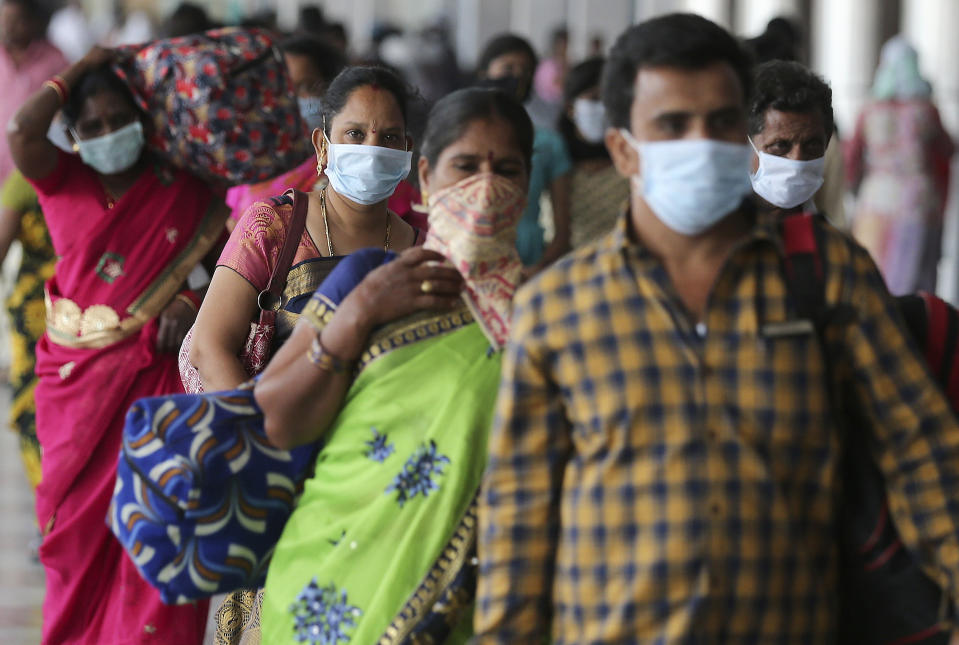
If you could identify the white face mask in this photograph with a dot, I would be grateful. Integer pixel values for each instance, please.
(365, 174)
(786, 183)
(590, 119)
(691, 184)
(113, 152)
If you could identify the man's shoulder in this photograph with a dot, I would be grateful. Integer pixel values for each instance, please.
(580, 271)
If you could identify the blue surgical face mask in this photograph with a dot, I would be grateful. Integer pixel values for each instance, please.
(113, 152)
(786, 183)
(691, 184)
(366, 174)
(311, 109)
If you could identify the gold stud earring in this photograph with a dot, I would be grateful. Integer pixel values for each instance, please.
(76, 147)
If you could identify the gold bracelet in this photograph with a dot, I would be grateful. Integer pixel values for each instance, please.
(58, 85)
(187, 300)
(326, 361)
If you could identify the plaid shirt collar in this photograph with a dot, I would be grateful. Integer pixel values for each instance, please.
(766, 229)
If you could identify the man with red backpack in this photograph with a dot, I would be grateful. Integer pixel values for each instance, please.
(885, 597)
(667, 463)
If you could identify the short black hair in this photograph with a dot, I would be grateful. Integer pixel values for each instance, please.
(452, 114)
(327, 60)
(505, 44)
(94, 82)
(352, 78)
(682, 40)
(790, 87)
(582, 77)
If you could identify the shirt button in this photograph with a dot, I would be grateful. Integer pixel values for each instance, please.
(715, 508)
(712, 434)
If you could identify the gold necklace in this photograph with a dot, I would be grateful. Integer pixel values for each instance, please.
(326, 226)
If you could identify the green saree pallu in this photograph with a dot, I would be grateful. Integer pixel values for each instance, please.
(387, 522)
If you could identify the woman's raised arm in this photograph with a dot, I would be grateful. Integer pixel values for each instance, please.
(32, 151)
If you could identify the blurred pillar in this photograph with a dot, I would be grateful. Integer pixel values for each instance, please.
(719, 11)
(476, 22)
(586, 21)
(646, 9)
(930, 26)
(536, 20)
(845, 50)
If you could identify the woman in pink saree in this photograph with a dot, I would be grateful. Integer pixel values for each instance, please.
(128, 232)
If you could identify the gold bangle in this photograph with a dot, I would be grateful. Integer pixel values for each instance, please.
(326, 361)
(53, 85)
(187, 300)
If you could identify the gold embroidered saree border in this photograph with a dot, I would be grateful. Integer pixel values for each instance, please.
(403, 332)
(437, 580)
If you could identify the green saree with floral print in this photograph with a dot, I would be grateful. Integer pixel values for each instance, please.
(380, 548)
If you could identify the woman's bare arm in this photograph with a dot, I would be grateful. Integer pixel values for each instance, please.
(32, 152)
(221, 329)
(299, 399)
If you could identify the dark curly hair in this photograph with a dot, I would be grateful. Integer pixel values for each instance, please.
(682, 40)
(789, 87)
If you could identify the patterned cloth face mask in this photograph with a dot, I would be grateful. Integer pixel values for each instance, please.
(113, 152)
(473, 223)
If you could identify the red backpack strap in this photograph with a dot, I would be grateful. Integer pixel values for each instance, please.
(942, 337)
(803, 264)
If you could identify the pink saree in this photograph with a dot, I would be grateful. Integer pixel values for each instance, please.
(120, 266)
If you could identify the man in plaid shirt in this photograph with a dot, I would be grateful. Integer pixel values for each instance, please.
(664, 465)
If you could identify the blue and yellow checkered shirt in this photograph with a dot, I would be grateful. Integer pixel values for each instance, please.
(652, 480)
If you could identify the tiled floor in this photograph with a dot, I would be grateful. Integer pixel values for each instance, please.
(21, 577)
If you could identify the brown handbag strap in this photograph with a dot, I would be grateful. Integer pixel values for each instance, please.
(271, 298)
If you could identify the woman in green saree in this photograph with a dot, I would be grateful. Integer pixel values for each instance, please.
(395, 366)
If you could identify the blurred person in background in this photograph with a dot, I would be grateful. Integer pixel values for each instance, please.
(70, 31)
(551, 72)
(22, 220)
(313, 65)
(311, 20)
(186, 19)
(597, 192)
(127, 230)
(27, 59)
(507, 62)
(898, 163)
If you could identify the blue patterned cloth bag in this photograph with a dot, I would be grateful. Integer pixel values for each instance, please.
(201, 495)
